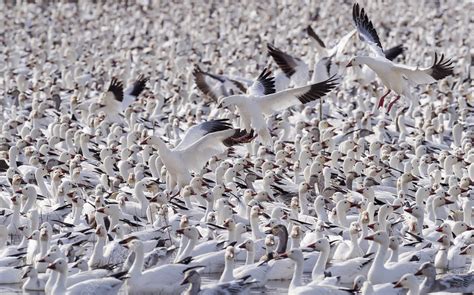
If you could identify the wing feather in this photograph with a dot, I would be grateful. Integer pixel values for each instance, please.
(366, 29)
(263, 85)
(302, 95)
(440, 69)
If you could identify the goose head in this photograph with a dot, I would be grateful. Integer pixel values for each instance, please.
(407, 281)
(34, 235)
(320, 245)
(380, 237)
(189, 232)
(81, 264)
(354, 229)
(459, 227)
(248, 245)
(445, 241)
(53, 254)
(427, 269)
(444, 228)
(30, 272)
(230, 253)
(263, 196)
(59, 265)
(101, 232)
(229, 223)
(416, 211)
(295, 255)
(394, 243)
(191, 277)
(439, 201)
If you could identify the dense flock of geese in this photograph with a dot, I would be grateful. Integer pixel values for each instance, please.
(145, 148)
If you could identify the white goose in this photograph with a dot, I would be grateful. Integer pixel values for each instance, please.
(380, 272)
(163, 279)
(395, 77)
(296, 284)
(209, 138)
(260, 101)
(347, 270)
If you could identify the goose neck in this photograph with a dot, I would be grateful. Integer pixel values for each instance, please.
(320, 265)
(296, 280)
(137, 266)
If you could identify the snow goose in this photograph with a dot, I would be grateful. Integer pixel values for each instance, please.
(452, 283)
(469, 251)
(395, 77)
(193, 278)
(164, 279)
(103, 285)
(32, 282)
(362, 285)
(380, 272)
(209, 138)
(296, 284)
(409, 282)
(348, 269)
(260, 101)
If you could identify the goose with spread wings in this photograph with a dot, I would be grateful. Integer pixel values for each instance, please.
(261, 100)
(396, 77)
(115, 100)
(199, 144)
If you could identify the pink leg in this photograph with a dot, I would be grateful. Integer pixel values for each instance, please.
(382, 99)
(390, 105)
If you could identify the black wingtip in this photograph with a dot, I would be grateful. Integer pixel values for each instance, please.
(267, 80)
(315, 36)
(116, 87)
(363, 23)
(393, 52)
(441, 68)
(284, 61)
(139, 85)
(319, 90)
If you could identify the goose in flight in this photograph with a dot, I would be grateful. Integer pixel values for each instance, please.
(396, 77)
(199, 144)
(115, 100)
(260, 101)
(213, 85)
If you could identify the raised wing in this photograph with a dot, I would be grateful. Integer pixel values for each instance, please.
(440, 69)
(341, 45)
(302, 95)
(319, 43)
(366, 29)
(116, 87)
(201, 83)
(285, 62)
(393, 52)
(197, 154)
(263, 85)
(196, 132)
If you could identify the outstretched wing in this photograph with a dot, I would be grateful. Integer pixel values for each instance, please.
(263, 85)
(302, 95)
(197, 154)
(440, 69)
(393, 52)
(201, 83)
(285, 62)
(116, 87)
(196, 132)
(366, 29)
